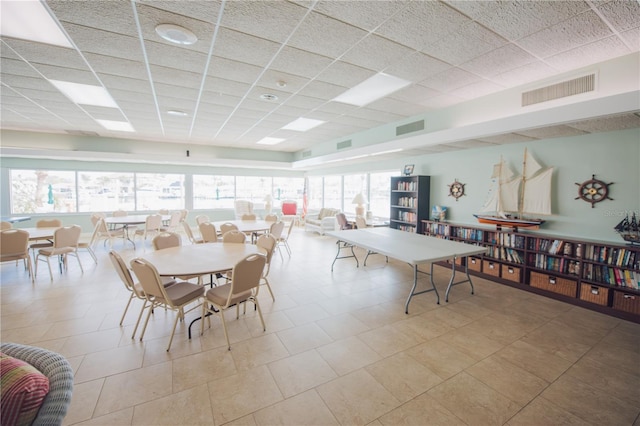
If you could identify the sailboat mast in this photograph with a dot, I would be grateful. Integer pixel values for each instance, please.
(522, 186)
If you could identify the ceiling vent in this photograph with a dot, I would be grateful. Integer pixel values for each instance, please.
(560, 90)
(306, 154)
(410, 128)
(343, 145)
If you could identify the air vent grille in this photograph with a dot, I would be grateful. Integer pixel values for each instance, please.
(343, 144)
(410, 128)
(560, 90)
(306, 154)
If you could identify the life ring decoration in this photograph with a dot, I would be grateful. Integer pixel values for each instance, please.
(456, 189)
(593, 191)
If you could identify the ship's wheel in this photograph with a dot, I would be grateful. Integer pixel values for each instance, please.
(593, 191)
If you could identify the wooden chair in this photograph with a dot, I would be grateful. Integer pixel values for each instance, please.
(276, 231)
(271, 218)
(165, 240)
(14, 245)
(248, 216)
(227, 226)
(88, 245)
(65, 244)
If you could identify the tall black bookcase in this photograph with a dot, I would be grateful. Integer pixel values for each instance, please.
(409, 202)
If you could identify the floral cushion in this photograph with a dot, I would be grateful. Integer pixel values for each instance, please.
(22, 391)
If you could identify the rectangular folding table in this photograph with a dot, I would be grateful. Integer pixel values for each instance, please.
(414, 249)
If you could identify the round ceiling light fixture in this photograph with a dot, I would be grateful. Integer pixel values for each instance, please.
(176, 34)
(177, 113)
(268, 97)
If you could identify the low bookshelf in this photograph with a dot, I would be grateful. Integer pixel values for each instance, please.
(597, 275)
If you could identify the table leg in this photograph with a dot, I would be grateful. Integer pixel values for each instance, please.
(126, 235)
(343, 245)
(453, 274)
(415, 284)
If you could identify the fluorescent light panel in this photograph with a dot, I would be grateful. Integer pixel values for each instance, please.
(120, 126)
(85, 94)
(270, 141)
(303, 124)
(372, 89)
(30, 20)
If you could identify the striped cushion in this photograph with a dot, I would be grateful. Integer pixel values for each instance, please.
(22, 390)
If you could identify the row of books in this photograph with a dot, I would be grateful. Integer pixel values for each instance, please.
(407, 186)
(407, 216)
(436, 229)
(555, 247)
(612, 276)
(467, 234)
(407, 228)
(506, 253)
(508, 240)
(613, 256)
(407, 201)
(557, 264)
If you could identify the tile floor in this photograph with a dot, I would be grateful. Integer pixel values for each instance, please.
(338, 349)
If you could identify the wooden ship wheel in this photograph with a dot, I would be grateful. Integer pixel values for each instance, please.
(593, 191)
(456, 189)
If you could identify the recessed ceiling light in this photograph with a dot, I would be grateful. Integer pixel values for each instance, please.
(268, 97)
(85, 94)
(177, 113)
(270, 141)
(372, 89)
(30, 20)
(176, 34)
(281, 83)
(121, 126)
(303, 124)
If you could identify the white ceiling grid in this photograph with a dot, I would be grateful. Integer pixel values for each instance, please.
(451, 51)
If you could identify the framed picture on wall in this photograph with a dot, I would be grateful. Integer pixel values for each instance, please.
(408, 169)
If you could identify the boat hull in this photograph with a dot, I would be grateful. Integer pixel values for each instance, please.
(510, 222)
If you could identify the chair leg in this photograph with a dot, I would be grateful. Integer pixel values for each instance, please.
(266, 281)
(255, 302)
(224, 327)
(144, 306)
(173, 331)
(286, 245)
(79, 263)
(146, 321)
(28, 261)
(126, 308)
(49, 265)
(95, 259)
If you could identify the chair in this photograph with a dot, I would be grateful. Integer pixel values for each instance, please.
(227, 226)
(243, 287)
(202, 218)
(163, 212)
(5, 225)
(175, 297)
(88, 245)
(45, 223)
(183, 215)
(58, 371)
(276, 231)
(268, 243)
(208, 232)
(119, 213)
(234, 236)
(271, 218)
(284, 239)
(174, 221)
(65, 243)
(189, 232)
(165, 240)
(241, 207)
(152, 226)
(104, 232)
(342, 222)
(290, 210)
(14, 245)
(248, 216)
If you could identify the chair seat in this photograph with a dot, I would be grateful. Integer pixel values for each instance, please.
(12, 256)
(56, 251)
(219, 295)
(181, 292)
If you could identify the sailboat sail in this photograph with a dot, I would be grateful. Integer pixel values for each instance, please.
(537, 197)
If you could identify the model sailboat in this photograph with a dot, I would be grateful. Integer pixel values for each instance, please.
(512, 196)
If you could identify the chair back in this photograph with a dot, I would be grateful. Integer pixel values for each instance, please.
(175, 220)
(164, 212)
(119, 213)
(208, 232)
(14, 243)
(165, 240)
(361, 222)
(268, 243)
(276, 229)
(342, 221)
(248, 216)
(153, 222)
(123, 272)
(149, 279)
(247, 273)
(97, 231)
(96, 217)
(271, 218)
(48, 223)
(226, 227)
(183, 215)
(234, 236)
(66, 236)
(189, 232)
(202, 218)
(289, 208)
(5, 225)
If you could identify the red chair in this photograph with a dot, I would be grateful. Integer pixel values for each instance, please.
(289, 208)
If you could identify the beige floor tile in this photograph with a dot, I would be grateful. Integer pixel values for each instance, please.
(424, 326)
(473, 401)
(303, 338)
(118, 418)
(543, 412)
(441, 358)
(83, 402)
(503, 328)
(274, 321)
(189, 407)
(134, 387)
(341, 326)
(467, 340)
(389, 339)
(155, 350)
(258, 351)
(306, 314)
(585, 401)
(537, 361)
(468, 308)
(450, 317)
(509, 379)
(357, 398)
(247, 420)
(241, 394)
(196, 369)
(304, 409)
(109, 362)
(348, 355)
(403, 376)
(421, 411)
(623, 359)
(566, 342)
(301, 372)
(381, 315)
(91, 342)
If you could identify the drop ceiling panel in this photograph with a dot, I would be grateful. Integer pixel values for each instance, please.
(366, 15)
(417, 67)
(476, 90)
(623, 15)
(299, 62)
(37, 53)
(507, 138)
(606, 124)
(524, 74)
(232, 70)
(16, 67)
(376, 53)
(108, 16)
(585, 55)
(245, 48)
(228, 87)
(322, 90)
(108, 65)
(552, 132)
(67, 74)
(104, 42)
(450, 80)
(498, 61)
(344, 74)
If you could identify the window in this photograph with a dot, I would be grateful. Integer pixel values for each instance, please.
(104, 191)
(253, 188)
(213, 192)
(315, 193)
(333, 192)
(155, 191)
(379, 202)
(43, 191)
(354, 185)
(285, 188)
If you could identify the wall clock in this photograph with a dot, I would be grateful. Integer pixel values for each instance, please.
(456, 189)
(593, 191)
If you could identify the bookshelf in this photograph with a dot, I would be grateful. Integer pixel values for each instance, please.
(596, 275)
(409, 202)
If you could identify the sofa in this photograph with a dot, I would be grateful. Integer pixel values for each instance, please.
(322, 221)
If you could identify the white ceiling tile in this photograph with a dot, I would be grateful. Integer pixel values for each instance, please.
(322, 90)
(552, 132)
(498, 61)
(531, 72)
(304, 102)
(228, 87)
(365, 14)
(376, 53)
(632, 38)
(476, 90)
(588, 54)
(244, 48)
(299, 62)
(206, 10)
(507, 138)
(622, 15)
(415, 94)
(105, 43)
(110, 66)
(376, 115)
(16, 67)
(273, 79)
(344, 74)
(450, 80)
(416, 67)
(396, 107)
(38, 53)
(606, 124)
(233, 70)
(325, 36)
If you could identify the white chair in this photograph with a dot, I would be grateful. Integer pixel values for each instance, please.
(88, 245)
(152, 226)
(268, 243)
(208, 232)
(174, 221)
(284, 238)
(202, 218)
(189, 232)
(65, 243)
(14, 245)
